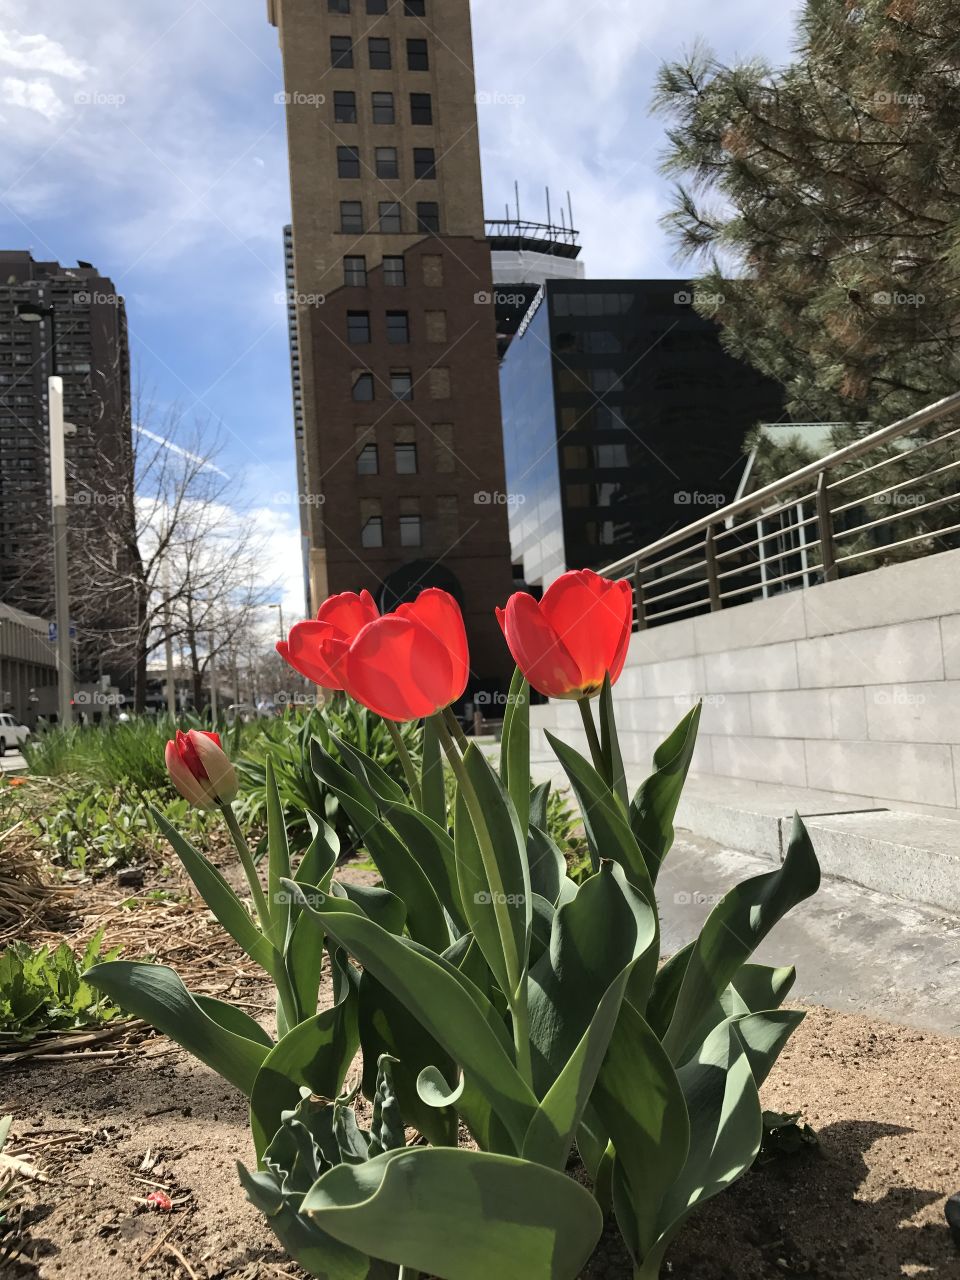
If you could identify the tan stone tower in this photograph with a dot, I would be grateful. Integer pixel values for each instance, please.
(402, 467)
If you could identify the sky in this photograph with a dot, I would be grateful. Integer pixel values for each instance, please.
(145, 136)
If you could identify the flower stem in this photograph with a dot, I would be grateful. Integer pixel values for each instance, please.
(455, 727)
(409, 772)
(593, 738)
(285, 992)
(250, 870)
(517, 993)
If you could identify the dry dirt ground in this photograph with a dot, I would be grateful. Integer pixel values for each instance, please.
(106, 1131)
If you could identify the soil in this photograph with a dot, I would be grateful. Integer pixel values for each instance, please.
(868, 1204)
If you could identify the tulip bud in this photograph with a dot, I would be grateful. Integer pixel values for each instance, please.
(200, 770)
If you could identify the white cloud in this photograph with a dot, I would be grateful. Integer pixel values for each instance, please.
(33, 95)
(39, 53)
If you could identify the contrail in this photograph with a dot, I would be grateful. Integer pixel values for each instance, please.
(175, 448)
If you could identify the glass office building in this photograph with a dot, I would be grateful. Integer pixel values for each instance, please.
(623, 419)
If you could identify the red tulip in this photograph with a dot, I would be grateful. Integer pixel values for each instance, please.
(408, 664)
(573, 637)
(317, 649)
(200, 769)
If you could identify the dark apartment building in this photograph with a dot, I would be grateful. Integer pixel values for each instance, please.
(396, 338)
(70, 322)
(623, 418)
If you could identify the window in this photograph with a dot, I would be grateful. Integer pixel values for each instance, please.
(444, 459)
(351, 216)
(390, 216)
(401, 384)
(428, 216)
(368, 461)
(436, 326)
(348, 162)
(448, 519)
(421, 108)
(383, 112)
(415, 8)
(355, 272)
(439, 381)
(341, 51)
(344, 107)
(363, 386)
(417, 57)
(394, 271)
(377, 6)
(358, 327)
(405, 456)
(410, 531)
(398, 326)
(424, 162)
(371, 535)
(432, 266)
(338, 6)
(379, 49)
(387, 166)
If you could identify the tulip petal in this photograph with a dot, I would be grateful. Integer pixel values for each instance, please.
(317, 650)
(586, 612)
(185, 782)
(349, 612)
(399, 669)
(222, 778)
(439, 612)
(537, 649)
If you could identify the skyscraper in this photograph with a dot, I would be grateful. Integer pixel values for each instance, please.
(396, 336)
(70, 322)
(623, 419)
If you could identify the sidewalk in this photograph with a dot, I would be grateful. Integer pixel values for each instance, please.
(855, 950)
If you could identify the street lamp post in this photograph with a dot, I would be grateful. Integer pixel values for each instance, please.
(279, 608)
(35, 314)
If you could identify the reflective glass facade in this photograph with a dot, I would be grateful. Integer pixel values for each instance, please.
(623, 419)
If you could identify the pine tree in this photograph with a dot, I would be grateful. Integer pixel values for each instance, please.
(823, 200)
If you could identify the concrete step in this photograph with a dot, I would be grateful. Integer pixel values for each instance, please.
(914, 856)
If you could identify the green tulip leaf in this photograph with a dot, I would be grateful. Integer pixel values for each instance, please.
(319, 1254)
(607, 928)
(734, 929)
(639, 1100)
(372, 776)
(548, 867)
(278, 861)
(604, 820)
(432, 785)
(401, 872)
(156, 994)
(654, 806)
(432, 847)
(444, 1002)
(610, 744)
(499, 908)
(463, 1215)
(315, 1055)
(220, 898)
(515, 747)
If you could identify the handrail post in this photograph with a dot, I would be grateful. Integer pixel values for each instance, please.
(825, 528)
(638, 596)
(713, 582)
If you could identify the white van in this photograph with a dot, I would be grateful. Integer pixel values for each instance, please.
(12, 732)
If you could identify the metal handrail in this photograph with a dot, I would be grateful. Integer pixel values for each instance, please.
(792, 544)
(811, 471)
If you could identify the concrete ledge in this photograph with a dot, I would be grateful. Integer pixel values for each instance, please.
(911, 855)
(754, 817)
